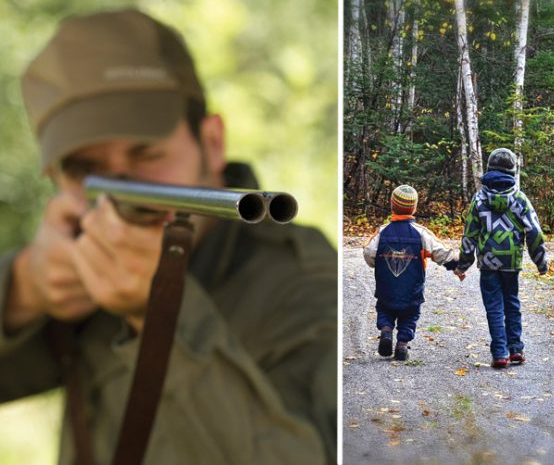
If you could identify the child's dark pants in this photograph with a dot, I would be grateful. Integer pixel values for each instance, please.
(405, 320)
(500, 297)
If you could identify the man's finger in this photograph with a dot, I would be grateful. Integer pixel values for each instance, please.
(105, 225)
(64, 211)
(91, 256)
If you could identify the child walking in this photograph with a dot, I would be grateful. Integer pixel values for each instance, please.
(500, 220)
(398, 252)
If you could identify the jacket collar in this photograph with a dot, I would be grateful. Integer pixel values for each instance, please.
(396, 217)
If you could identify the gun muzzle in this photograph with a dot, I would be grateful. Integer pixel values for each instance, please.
(243, 205)
(281, 207)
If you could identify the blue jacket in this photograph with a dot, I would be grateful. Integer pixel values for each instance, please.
(500, 220)
(398, 252)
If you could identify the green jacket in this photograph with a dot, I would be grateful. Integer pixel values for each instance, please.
(252, 374)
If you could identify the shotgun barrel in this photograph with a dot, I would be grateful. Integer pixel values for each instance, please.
(141, 202)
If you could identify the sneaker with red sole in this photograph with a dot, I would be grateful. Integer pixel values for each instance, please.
(517, 357)
(499, 362)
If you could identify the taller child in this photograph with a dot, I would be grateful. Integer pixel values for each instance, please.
(500, 220)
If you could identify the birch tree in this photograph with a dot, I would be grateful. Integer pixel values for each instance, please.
(351, 36)
(519, 59)
(413, 65)
(396, 19)
(363, 34)
(472, 120)
(461, 131)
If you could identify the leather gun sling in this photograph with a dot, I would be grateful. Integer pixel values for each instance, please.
(157, 340)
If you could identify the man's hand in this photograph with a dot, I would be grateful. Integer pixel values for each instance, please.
(44, 278)
(461, 275)
(117, 260)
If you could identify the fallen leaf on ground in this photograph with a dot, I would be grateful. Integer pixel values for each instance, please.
(461, 372)
(395, 429)
(389, 410)
(516, 417)
(354, 425)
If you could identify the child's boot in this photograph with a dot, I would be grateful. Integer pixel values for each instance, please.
(401, 351)
(517, 357)
(385, 342)
(499, 362)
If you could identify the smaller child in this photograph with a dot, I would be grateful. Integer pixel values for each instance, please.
(398, 252)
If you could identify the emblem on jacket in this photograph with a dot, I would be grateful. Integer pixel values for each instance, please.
(398, 260)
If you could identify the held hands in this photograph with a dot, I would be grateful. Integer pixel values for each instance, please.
(461, 275)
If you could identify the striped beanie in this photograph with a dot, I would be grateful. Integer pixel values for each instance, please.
(404, 200)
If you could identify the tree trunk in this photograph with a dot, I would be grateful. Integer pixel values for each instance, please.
(519, 58)
(413, 64)
(351, 38)
(462, 133)
(396, 18)
(347, 34)
(472, 122)
(363, 31)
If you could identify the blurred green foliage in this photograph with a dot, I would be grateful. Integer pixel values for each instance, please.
(270, 68)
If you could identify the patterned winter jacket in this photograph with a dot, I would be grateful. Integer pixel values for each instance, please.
(398, 252)
(500, 220)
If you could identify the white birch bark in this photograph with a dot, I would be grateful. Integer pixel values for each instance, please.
(363, 33)
(462, 133)
(396, 18)
(353, 46)
(519, 58)
(472, 120)
(413, 61)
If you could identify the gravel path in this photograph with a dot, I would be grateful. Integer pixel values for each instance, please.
(446, 405)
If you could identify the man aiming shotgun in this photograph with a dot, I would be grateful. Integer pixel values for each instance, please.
(251, 372)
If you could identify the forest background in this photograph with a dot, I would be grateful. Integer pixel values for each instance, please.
(270, 69)
(409, 117)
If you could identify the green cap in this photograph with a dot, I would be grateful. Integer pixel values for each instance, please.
(107, 76)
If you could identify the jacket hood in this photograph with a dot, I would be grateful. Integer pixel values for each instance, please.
(498, 191)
